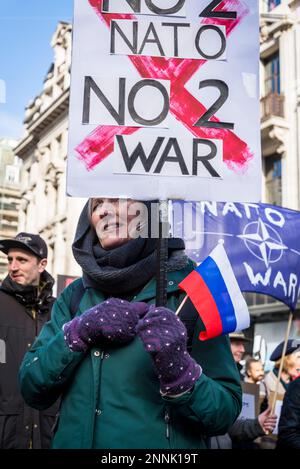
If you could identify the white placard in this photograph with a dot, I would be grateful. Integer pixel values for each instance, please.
(248, 407)
(216, 99)
(277, 412)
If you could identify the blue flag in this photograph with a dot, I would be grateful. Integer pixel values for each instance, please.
(262, 243)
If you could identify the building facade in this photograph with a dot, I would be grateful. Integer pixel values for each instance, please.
(45, 208)
(280, 101)
(280, 134)
(10, 167)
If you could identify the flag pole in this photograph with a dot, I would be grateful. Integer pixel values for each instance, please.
(162, 254)
(181, 305)
(287, 333)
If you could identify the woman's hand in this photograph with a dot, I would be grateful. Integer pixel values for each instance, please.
(164, 336)
(114, 320)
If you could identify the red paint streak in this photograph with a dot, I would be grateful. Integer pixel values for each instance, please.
(187, 109)
(100, 144)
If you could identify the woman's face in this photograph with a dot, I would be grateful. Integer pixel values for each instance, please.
(116, 221)
(294, 368)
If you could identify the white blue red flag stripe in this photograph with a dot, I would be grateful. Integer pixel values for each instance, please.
(214, 291)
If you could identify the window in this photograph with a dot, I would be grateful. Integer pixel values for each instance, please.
(273, 178)
(272, 74)
(257, 299)
(12, 175)
(272, 4)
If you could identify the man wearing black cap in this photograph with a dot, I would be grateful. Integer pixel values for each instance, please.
(25, 305)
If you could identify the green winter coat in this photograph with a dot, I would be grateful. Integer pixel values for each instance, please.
(111, 396)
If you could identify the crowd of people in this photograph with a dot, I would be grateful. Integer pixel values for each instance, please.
(255, 433)
(104, 367)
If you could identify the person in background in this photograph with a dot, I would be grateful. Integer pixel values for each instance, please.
(290, 370)
(289, 423)
(295, 367)
(254, 373)
(123, 366)
(25, 305)
(244, 431)
(237, 345)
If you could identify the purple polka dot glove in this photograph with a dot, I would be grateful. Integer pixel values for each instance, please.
(113, 321)
(165, 338)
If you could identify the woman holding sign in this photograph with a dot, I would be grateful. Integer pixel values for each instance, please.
(129, 374)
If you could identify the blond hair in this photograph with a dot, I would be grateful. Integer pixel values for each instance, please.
(288, 362)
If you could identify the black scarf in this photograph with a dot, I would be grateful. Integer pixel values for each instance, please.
(31, 296)
(125, 268)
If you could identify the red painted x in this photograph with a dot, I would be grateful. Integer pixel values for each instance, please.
(185, 107)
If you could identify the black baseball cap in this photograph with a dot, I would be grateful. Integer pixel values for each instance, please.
(27, 242)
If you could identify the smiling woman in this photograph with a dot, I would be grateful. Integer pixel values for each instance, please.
(127, 377)
(116, 221)
(113, 246)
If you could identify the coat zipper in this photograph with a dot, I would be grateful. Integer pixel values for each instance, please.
(97, 401)
(167, 422)
(102, 354)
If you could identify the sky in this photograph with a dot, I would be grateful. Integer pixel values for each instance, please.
(26, 29)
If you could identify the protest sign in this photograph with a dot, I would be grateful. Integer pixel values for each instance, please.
(250, 401)
(158, 97)
(277, 407)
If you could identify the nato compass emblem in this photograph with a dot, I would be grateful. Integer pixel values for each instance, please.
(263, 241)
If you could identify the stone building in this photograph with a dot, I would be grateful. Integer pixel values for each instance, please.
(280, 102)
(9, 195)
(45, 208)
(280, 133)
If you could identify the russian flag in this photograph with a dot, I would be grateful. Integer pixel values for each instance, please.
(214, 291)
